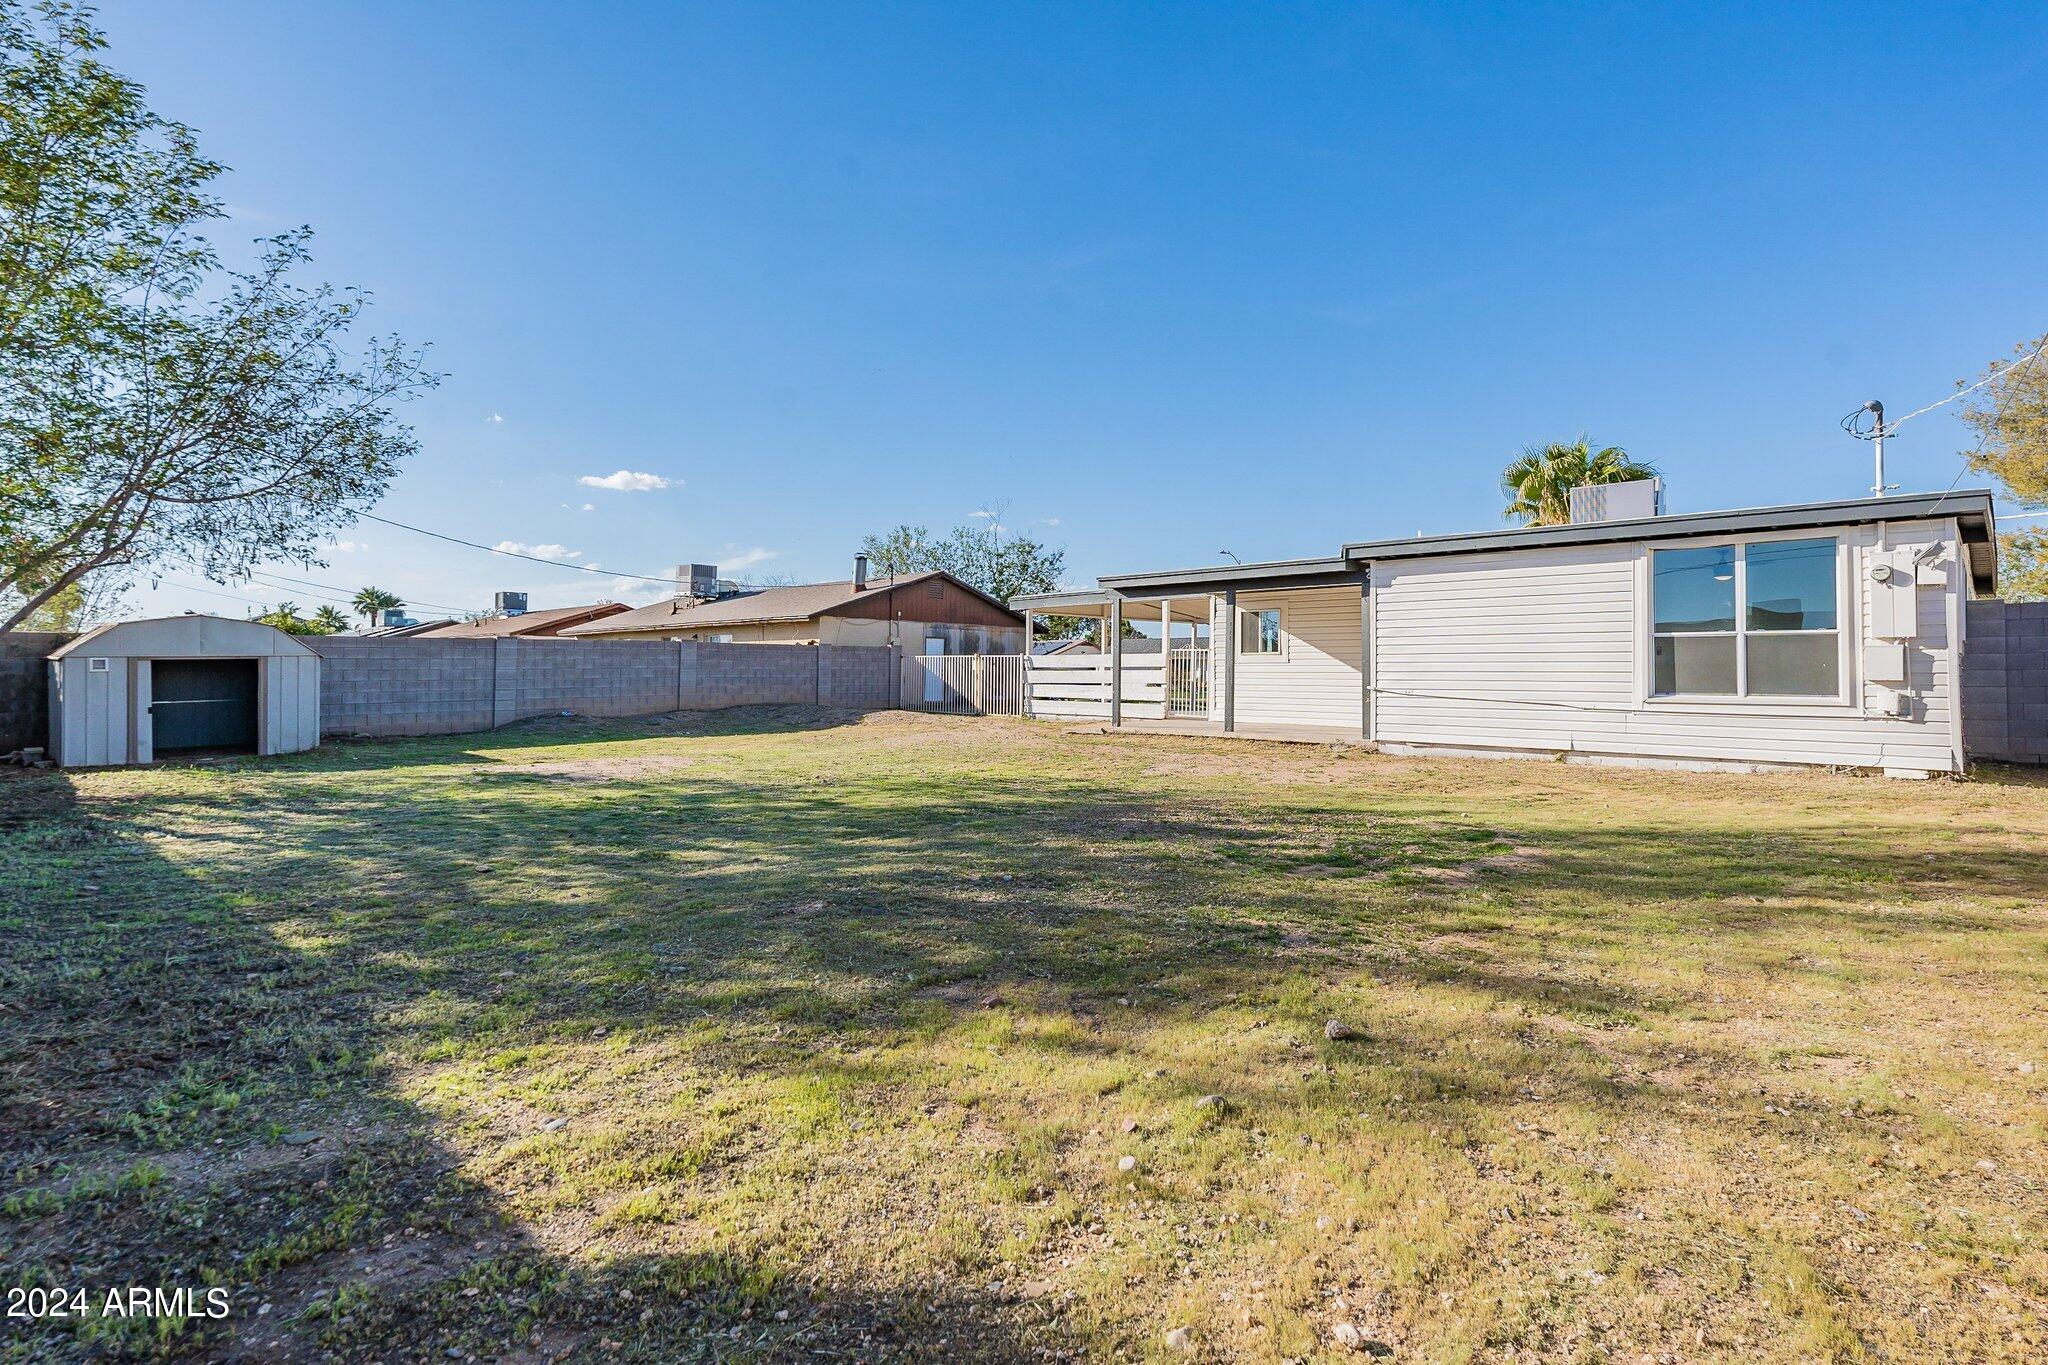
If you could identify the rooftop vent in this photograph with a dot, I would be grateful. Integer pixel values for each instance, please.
(509, 603)
(1631, 501)
(860, 573)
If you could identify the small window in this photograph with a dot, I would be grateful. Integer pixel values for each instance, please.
(1746, 620)
(1260, 632)
(95, 665)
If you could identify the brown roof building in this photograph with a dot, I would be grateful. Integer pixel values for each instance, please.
(524, 624)
(907, 610)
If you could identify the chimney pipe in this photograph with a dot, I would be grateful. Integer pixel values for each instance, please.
(860, 573)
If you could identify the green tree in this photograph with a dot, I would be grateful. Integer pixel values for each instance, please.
(370, 603)
(2007, 406)
(2023, 565)
(154, 405)
(1538, 482)
(285, 616)
(982, 551)
(330, 621)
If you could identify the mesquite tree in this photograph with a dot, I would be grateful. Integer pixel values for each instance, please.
(157, 408)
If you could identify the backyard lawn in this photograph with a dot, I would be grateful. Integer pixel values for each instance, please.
(800, 1035)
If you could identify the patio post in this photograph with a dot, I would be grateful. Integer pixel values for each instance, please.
(1229, 659)
(1116, 662)
(1024, 669)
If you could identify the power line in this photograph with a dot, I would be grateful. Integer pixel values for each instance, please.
(667, 582)
(1882, 429)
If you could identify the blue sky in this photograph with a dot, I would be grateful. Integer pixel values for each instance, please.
(1169, 279)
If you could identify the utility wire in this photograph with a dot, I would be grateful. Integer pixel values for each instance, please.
(1871, 433)
(667, 582)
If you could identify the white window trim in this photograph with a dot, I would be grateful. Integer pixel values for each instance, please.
(1246, 611)
(1848, 630)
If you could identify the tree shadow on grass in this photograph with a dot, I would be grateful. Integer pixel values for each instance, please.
(203, 987)
(189, 1101)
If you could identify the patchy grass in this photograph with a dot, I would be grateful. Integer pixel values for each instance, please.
(769, 1033)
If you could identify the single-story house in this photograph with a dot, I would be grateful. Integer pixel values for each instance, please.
(925, 613)
(523, 624)
(1827, 633)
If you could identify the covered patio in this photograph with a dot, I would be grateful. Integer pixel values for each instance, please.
(1269, 651)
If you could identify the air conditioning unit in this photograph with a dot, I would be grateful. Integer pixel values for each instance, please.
(1632, 501)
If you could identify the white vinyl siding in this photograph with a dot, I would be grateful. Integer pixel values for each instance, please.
(1314, 679)
(1550, 650)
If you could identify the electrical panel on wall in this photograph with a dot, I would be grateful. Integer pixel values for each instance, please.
(1890, 581)
(1884, 661)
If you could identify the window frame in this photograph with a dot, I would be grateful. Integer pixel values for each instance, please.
(1847, 630)
(1247, 614)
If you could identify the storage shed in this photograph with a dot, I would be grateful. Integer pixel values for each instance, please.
(135, 691)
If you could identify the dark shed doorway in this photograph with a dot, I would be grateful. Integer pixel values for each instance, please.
(203, 704)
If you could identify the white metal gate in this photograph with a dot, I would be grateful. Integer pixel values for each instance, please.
(965, 684)
(1187, 682)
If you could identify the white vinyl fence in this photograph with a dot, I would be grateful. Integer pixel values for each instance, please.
(964, 684)
(1077, 685)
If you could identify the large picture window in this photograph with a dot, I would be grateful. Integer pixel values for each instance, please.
(1755, 619)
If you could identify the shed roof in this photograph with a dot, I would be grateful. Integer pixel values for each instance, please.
(192, 636)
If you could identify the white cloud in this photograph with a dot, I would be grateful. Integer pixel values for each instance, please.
(347, 547)
(496, 419)
(1048, 521)
(745, 559)
(590, 507)
(636, 593)
(545, 551)
(625, 481)
(983, 513)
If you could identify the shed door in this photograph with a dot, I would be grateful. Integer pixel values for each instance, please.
(203, 704)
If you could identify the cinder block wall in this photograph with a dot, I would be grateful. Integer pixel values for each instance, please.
(439, 687)
(591, 678)
(25, 687)
(405, 687)
(2005, 681)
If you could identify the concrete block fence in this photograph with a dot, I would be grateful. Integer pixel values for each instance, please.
(2005, 681)
(444, 687)
(25, 687)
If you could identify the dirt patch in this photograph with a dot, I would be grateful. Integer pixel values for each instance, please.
(573, 771)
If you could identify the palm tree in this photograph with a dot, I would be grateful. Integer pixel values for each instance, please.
(330, 621)
(285, 616)
(1539, 481)
(371, 601)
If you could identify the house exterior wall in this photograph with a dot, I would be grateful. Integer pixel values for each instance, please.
(933, 600)
(1548, 650)
(1315, 681)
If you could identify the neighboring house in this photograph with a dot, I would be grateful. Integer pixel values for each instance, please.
(523, 624)
(924, 613)
(397, 632)
(1821, 633)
